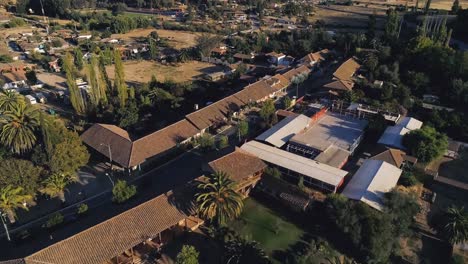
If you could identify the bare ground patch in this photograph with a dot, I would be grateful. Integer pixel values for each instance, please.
(177, 39)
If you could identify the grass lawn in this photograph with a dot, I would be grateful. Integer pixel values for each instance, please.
(265, 226)
(455, 169)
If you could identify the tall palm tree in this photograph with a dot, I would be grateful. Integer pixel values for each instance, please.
(18, 128)
(12, 198)
(218, 200)
(9, 100)
(242, 251)
(55, 185)
(455, 226)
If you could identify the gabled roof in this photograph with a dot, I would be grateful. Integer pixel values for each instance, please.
(102, 136)
(278, 82)
(238, 165)
(161, 141)
(129, 153)
(373, 179)
(347, 70)
(295, 72)
(305, 166)
(254, 92)
(216, 112)
(315, 57)
(392, 156)
(340, 85)
(279, 134)
(333, 156)
(110, 238)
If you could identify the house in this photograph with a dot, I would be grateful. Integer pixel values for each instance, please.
(395, 157)
(296, 72)
(343, 77)
(244, 57)
(242, 167)
(14, 76)
(112, 141)
(275, 58)
(393, 135)
(215, 76)
(314, 59)
(279, 134)
(54, 65)
(371, 181)
(315, 174)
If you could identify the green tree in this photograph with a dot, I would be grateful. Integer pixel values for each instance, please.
(455, 225)
(243, 128)
(76, 97)
(239, 250)
(223, 142)
(128, 116)
(392, 25)
(188, 255)
(402, 208)
(426, 143)
(68, 154)
(54, 220)
(31, 76)
(11, 199)
(55, 184)
(122, 191)
(119, 81)
(9, 100)
(428, 6)
(456, 6)
(268, 112)
(287, 102)
(78, 58)
(217, 199)
(20, 173)
(205, 43)
(18, 128)
(153, 48)
(98, 85)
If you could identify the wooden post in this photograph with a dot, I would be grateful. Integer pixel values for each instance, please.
(131, 250)
(160, 239)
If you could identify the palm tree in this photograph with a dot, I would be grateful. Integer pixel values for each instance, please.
(55, 184)
(11, 199)
(218, 200)
(18, 126)
(455, 226)
(240, 251)
(184, 55)
(9, 100)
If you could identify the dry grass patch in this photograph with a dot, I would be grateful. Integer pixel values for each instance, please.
(177, 39)
(141, 71)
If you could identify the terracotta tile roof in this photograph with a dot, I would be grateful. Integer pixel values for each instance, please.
(129, 153)
(278, 82)
(340, 85)
(254, 92)
(14, 76)
(392, 156)
(284, 113)
(108, 239)
(274, 54)
(216, 112)
(238, 165)
(346, 70)
(316, 56)
(289, 75)
(100, 136)
(161, 141)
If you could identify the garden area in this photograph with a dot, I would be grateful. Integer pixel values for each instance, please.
(266, 226)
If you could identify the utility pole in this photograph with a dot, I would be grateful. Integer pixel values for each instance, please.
(2, 215)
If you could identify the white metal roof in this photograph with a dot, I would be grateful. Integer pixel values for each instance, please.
(410, 123)
(299, 164)
(280, 133)
(393, 136)
(373, 179)
(332, 129)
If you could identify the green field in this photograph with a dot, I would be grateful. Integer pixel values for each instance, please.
(265, 226)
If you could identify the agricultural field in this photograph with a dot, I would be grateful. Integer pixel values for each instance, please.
(141, 71)
(348, 16)
(176, 39)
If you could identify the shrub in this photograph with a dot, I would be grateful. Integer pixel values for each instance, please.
(206, 142)
(188, 255)
(223, 142)
(273, 172)
(54, 220)
(122, 192)
(408, 179)
(82, 208)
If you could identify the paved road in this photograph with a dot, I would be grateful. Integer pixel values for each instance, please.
(154, 183)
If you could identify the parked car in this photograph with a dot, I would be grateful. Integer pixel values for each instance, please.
(30, 99)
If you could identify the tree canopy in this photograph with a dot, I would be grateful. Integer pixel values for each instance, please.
(426, 143)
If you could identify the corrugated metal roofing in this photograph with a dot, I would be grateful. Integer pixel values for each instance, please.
(279, 134)
(373, 179)
(299, 164)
